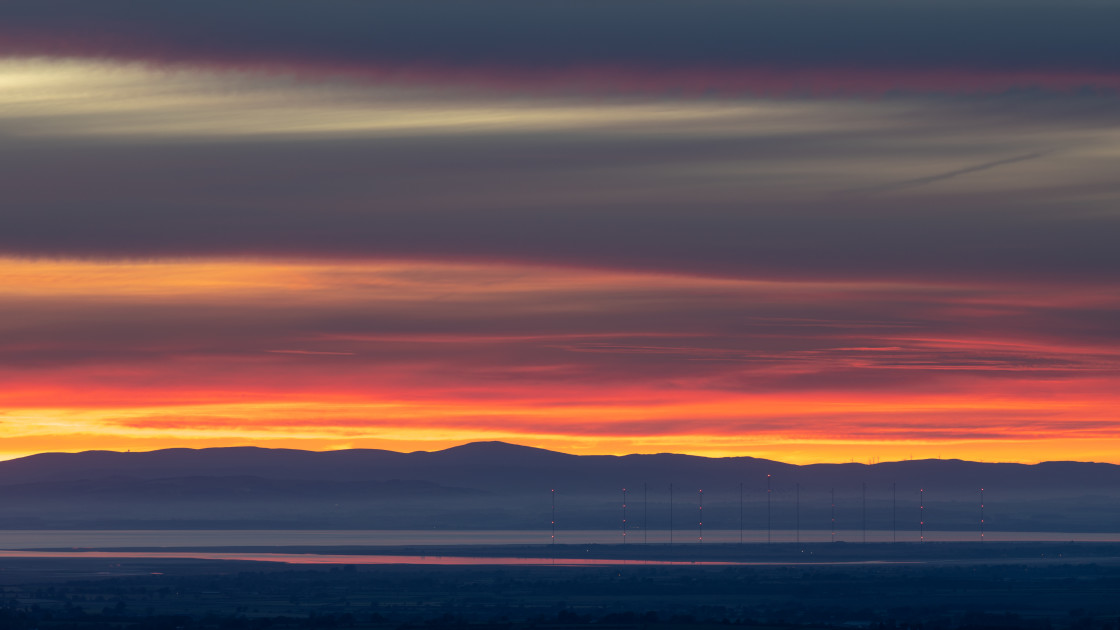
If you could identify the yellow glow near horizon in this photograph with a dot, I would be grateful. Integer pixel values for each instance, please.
(224, 352)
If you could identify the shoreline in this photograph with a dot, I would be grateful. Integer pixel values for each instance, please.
(724, 553)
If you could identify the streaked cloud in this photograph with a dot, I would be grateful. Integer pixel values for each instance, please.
(192, 163)
(76, 98)
(431, 353)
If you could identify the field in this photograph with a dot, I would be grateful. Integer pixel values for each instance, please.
(1007, 585)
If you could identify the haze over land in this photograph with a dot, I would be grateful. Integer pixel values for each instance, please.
(503, 486)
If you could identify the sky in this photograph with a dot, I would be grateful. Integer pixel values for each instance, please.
(806, 230)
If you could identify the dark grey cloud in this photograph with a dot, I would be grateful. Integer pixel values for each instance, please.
(605, 202)
(1048, 35)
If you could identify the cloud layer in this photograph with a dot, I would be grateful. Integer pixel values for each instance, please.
(807, 230)
(431, 354)
(107, 160)
(667, 44)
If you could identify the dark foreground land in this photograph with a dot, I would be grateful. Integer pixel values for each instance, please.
(1001, 586)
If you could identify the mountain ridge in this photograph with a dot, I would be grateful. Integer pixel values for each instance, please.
(497, 466)
(502, 447)
(498, 485)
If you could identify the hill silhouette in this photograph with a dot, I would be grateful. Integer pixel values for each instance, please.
(498, 485)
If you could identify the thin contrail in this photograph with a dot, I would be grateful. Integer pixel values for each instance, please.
(921, 181)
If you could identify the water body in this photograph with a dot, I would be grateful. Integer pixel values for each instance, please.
(314, 558)
(62, 539)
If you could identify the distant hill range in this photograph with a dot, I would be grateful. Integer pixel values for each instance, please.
(499, 485)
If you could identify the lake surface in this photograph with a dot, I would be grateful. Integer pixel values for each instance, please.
(59, 539)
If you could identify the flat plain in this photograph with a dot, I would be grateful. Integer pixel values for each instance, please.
(907, 585)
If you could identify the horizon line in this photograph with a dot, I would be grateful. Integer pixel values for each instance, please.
(555, 452)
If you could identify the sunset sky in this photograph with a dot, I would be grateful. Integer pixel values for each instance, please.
(811, 231)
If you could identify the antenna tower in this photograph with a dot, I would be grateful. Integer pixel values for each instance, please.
(797, 512)
(740, 512)
(832, 493)
(768, 491)
(863, 508)
(922, 515)
(894, 512)
(981, 515)
(624, 516)
(701, 516)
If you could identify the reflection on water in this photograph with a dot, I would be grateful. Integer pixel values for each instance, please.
(301, 558)
(55, 539)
